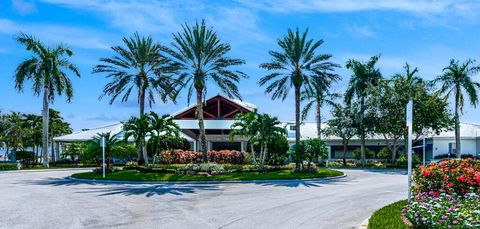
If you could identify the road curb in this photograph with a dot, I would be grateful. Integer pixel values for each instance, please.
(44, 170)
(205, 182)
(364, 224)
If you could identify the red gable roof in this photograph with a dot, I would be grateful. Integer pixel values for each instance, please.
(215, 108)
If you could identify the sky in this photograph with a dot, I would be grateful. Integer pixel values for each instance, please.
(426, 34)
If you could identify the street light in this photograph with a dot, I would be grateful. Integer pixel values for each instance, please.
(409, 151)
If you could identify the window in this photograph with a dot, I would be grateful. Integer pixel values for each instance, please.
(292, 127)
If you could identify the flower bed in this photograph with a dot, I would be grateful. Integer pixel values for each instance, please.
(446, 195)
(179, 156)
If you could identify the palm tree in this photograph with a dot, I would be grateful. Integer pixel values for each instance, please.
(268, 128)
(318, 94)
(47, 69)
(202, 57)
(138, 65)
(365, 75)
(110, 140)
(160, 127)
(15, 132)
(246, 125)
(57, 127)
(294, 65)
(138, 129)
(33, 124)
(457, 82)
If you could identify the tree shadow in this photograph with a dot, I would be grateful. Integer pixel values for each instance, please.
(309, 183)
(388, 171)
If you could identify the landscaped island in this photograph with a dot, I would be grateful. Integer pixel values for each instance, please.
(134, 175)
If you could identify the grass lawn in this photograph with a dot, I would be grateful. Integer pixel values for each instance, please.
(133, 175)
(388, 217)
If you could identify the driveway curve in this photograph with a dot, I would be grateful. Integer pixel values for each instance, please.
(46, 199)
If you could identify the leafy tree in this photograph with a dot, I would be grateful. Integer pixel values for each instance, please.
(246, 125)
(74, 151)
(33, 137)
(13, 134)
(202, 58)
(457, 82)
(310, 150)
(47, 69)
(295, 65)
(365, 75)
(138, 129)
(318, 94)
(278, 148)
(268, 128)
(138, 65)
(344, 124)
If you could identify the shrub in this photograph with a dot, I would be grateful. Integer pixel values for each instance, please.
(451, 176)
(403, 160)
(167, 143)
(210, 168)
(179, 156)
(8, 166)
(124, 151)
(384, 153)
(131, 165)
(441, 210)
(27, 158)
(357, 153)
(226, 157)
(278, 150)
(310, 150)
(444, 156)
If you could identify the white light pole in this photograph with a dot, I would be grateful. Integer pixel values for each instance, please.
(103, 157)
(409, 150)
(423, 162)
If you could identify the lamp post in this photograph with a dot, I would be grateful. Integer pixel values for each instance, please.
(103, 157)
(409, 150)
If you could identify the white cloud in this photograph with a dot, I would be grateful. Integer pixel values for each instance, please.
(24, 7)
(77, 37)
(360, 31)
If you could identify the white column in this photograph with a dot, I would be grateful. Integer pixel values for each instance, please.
(242, 146)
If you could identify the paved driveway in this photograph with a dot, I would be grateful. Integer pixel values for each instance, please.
(47, 200)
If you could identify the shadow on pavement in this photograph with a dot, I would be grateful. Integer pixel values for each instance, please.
(299, 183)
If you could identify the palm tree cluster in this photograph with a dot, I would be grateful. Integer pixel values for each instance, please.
(19, 131)
(196, 59)
(260, 129)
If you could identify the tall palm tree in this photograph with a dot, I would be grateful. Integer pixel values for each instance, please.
(318, 94)
(294, 65)
(456, 81)
(202, 56)
(47, 69)
(138, 65)
(365, 75)
(138, 129)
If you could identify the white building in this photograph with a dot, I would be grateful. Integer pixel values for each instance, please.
(219, 113)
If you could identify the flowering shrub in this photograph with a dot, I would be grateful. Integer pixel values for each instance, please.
(451, 176)
(210, 168)
(226, 157)
(179, 156)
(441, 210)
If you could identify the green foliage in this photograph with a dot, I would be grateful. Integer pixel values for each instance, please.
(388, 217)
(310, 150)
(125, 151)
(211, 168)
(278, 150)
(167, 143)
(357, 153)
(384, 153)
(8, 166)
(25, 157)
(74, 150)
(403, 160)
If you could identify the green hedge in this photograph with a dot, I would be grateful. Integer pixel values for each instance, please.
(388, 217)
(8, 166)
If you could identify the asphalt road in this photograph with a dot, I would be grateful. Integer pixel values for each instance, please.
(46, 199)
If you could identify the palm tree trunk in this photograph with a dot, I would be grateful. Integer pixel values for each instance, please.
(264, 156)
(52, 146)
(319, 119)
(345, 153)
(253, 154)
(145, 155)
(458, 147)
(141, 100)
(7, 151)
(297, 124)
(201, 125)
(45, 127)
(362, 130)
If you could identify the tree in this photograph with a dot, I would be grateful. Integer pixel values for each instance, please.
(161, 127)
(456, 82)
(268, 128)
(246, 125)
(138, 129)
(56, 127)
(4, 126)
(344, 125)
(14, 133)
(365, 75)
(202, 58)
(47, 69)
(33, 124)
(111, 140)
(318, 94)
(138, 65)
(295, 65)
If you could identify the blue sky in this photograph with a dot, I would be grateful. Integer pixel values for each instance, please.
(425, 33)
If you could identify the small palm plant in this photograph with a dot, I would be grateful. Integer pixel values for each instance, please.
(294, 66)
(457, 82)
(47, 69)
(138, 129)
(161, 127)
(138, 66)
(110, 141)
(203, 58)
(246, 125)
